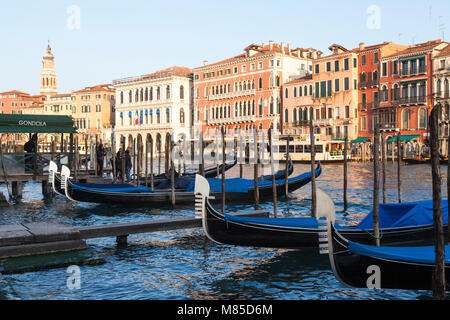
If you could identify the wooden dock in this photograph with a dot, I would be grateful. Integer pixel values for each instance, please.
(35, 238)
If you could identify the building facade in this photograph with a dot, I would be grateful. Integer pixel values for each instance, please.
(152, 106)
(93, 111)
(335, 96)
(406, 89)
(297, 105)
(370, 70)
(244, 91)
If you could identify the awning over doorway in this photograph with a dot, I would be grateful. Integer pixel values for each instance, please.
(30, 123)
(360, 140)
(404, 138)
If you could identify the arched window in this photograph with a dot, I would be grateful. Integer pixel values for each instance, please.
(405, 119)
(158, 93)
(260, 83)
(271, 106)
(167, 115)
(294, 115)
(422, 118)
(295, 92)
(136, 95)
(130, 96)
(182, 116)
(446, 89)
(260, 107)
(286, 116)
(168, 92)
(277, 81)
(151, 93)
(439, 87)
(142, 95)
(146, 94)
(286, 93)
(384, 94)
(121, 97)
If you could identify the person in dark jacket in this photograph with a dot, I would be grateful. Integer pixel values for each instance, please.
(128, 165)
(119, 165)
(30, 147)
(100, 152)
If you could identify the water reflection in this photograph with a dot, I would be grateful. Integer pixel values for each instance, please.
(183, 264)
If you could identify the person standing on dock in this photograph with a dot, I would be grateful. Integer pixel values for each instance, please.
(100, 156)
(128, 165)
(30, 147)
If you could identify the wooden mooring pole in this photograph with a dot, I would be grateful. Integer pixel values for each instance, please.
(172, 172)
(383, 167)
(255, 169)
(438, 279)
(399, 167)
(345, 170)
(152, 180)
(223, 168)
(313, 169)
(376, 186)
(5, 174)
(274, 185)
(286, 178)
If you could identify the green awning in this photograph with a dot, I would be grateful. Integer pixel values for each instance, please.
(412, 58)
(30, 123)
(404, 138)
(413, 81)
(360, 139)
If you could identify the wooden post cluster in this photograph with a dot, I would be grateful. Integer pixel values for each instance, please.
(345, 170)
(255, 169)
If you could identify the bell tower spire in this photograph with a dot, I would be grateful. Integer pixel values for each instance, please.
(48, 74)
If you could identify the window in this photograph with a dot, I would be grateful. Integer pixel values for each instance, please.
(336, 85)
(347, 112)
(442, 64)
(235, 70)
(286, 93)
(182, 116)
(260, 65)
(286, 115)
(328, 66)
(384, 70)
(336, 66)
(323, 89)
(363, 123)
(422, 118)
(329, 88)
(317, 89)
(317, 68)
(355, 62)
(405, 119)
(181, 92)
(252, 66)
(260, 83)
(394, 67)
(244, 68)
(346, 84)
(363, 60)
(375, 57)
(346, 64)
(168, 92)
(295, 92)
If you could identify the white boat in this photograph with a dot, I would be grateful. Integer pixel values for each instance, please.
(327, 151)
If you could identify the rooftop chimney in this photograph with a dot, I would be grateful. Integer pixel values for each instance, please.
(289, 49)
(205, 62)
(270, 45)
(282, 47)
(361, 46)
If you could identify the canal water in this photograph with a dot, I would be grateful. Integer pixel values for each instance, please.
(183, 264)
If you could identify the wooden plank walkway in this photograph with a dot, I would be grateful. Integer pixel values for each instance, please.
(41, 237)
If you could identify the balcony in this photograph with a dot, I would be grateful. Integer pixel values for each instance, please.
(362, 106)
(388, 125)
(232, 94)
(413, 71)
(375, 83)
(323, 122)
(412, 100)
(363, 84)
(232, 120)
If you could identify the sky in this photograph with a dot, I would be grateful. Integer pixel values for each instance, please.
(98, 41)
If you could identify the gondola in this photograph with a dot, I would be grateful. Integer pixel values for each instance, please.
(409, 223)
(422, 160)
(210, 172)
(236, 190)
(367, 266)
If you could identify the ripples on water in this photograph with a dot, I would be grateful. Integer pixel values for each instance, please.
(183, 264)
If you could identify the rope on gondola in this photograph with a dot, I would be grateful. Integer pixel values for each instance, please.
(373, 236)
